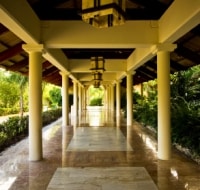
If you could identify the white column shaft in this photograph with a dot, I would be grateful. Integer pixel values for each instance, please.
(164, 128)
(129, 100)
(118, 99)
(65, 99)
(75, 98)
(108, 98)
(35, 106)
(112, 97)
(79, 98)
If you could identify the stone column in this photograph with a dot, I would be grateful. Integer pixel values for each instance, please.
(108, 98)
(79, 99)
(65, 98)
(75, 99)
(84, 98)
(118, 99)
(164, 118)
(35, 101)
(129, 87)
(112, 97)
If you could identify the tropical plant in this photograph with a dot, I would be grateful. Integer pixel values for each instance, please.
(22, 83)
(185, 108)
(96, 96)
(55, 96)
(9, 94)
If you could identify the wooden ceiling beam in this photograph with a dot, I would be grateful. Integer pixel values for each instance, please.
(144, 75)
(138, 79)
(12, 51)
(3, 29)
(54, 78)
(49, 71)
(152, 65)
(52, 75)
(145, 70)
(188, 54)
(176, 66)
(19, 65)
(196, 30)
(46, 65)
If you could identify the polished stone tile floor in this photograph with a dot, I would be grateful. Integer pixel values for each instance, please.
(138, 150)
(94, 139)
(117, 178)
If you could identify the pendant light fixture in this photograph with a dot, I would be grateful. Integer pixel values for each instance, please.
(103, 13)
(97, 68)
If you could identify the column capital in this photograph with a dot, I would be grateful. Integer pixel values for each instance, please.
(163, 47)
(65, 73)
(74, 81)
(33, 48)
(130, 72)
(118, 81)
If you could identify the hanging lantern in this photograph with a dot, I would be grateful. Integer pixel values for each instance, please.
(97, 83)
(103, 13)
(97, 76)
(97, 68)
(97, 79)
(97, 64)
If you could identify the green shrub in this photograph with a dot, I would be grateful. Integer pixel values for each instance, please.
(3, 138)
(185, 123)
(8, 111)
(51, 115)
(16, 128)
(96, 102)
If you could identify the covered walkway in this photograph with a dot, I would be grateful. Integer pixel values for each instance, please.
(95, 152)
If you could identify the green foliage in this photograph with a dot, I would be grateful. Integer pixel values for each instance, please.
(51, 115)
(3, 138)
(14, 93)
(146, 107)
(146, 113)
(16, 128)
(185, 108)
(185, 122)
(96, 96)
(9, 94)
(55, 96)
(96, 102)
(8, 111)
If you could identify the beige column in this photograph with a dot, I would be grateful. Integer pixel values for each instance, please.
(108, 98)
(164, 118)
(87, 96)
(129, 87)
(118, 98)
(35, 101)
(84, 98)
(79, 99)
(112, 97)
(75, 99)
(65, 98)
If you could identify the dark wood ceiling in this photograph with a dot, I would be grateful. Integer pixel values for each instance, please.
(13, 58)
(71, 9)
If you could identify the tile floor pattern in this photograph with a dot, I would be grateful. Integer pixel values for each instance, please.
(116, 178)
(94, 139)
(17, 173)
